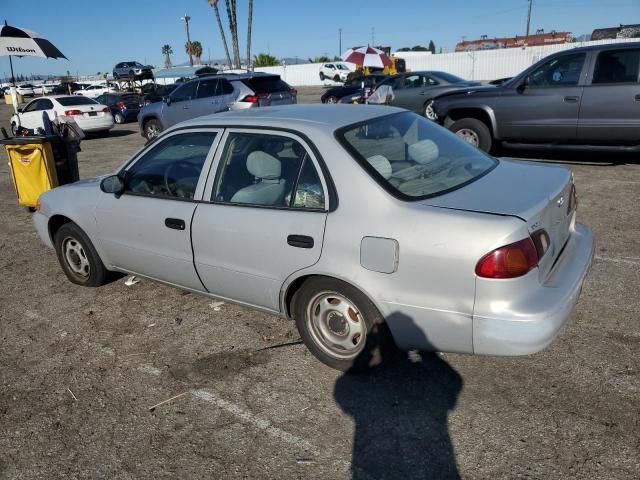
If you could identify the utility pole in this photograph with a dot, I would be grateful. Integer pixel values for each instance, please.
(529, 17)
(186, 19)
(339, 41)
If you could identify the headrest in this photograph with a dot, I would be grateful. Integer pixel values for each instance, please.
(298, 149)
(424, 151)
(381, 164)
(262, 165)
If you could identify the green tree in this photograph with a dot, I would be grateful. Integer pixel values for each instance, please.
(432, 47)
(214, 4)
(404, 49)
(167, 51)
(196, 51)
(265, 60)
(321, 59)
(419, 48)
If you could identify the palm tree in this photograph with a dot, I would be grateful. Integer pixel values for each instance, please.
(214, 4)
(233, 27)
(249, 34)
(196, 50)
(166, 51)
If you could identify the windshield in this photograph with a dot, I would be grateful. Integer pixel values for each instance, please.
(76, 100)
(447, 77)
(412, 157)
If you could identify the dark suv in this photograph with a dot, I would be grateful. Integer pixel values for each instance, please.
(587, 96)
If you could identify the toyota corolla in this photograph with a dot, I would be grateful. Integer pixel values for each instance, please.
(370, 227)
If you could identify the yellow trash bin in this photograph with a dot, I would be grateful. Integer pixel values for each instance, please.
(8, 101)
(32, 167)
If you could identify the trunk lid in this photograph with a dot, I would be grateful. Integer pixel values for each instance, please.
(271, 90)
(537, 194)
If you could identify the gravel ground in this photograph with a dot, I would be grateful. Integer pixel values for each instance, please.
(79, 369)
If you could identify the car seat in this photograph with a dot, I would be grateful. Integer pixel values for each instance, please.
(269, 188)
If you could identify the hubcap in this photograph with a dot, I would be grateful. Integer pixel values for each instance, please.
(75, 256)
(336, 325)
(332, 100)
(152, 131)
(469, 136)
(429, 112)
(119, 118)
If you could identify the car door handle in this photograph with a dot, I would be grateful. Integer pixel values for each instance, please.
(175, 223)
(185, 107)
(571, 99)
(637, 98)
(300, 241)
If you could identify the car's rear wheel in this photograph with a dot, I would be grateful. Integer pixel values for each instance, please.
(429, 112)
(332, 99)
(322, 77)
(118, 117)
(152, 129)
(340, 325)
(473, 131)
(78, 257)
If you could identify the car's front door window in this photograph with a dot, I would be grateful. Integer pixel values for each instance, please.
(563, 71)
(32, 107)
(267, 170)
(172, 168)
(185, 92)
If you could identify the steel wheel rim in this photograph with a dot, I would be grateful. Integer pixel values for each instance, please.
(332, 100)
(429, 112)
(119, 118)
(336, 325)
(469, 136)
(76, 257)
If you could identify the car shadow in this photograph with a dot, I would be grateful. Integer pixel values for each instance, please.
(400, 412)
(121, 133)
(599, 158)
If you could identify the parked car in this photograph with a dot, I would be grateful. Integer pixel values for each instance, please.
(93, 91)
(587, 96)
(452, 250)
(44, 88)
(26, 90)
(353, 87)
(415, 91)
(90, 116)
(132, 70)
(336, 71)
(124, 106)
(213, 94)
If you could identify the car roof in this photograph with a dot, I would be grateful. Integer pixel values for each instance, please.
(604, 46)
(318, 117)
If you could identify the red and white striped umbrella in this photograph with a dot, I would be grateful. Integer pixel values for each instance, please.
(367, 57)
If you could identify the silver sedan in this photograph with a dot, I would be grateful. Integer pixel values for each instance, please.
(370, 227)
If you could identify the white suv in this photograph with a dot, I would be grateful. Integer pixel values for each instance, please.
(336, 71)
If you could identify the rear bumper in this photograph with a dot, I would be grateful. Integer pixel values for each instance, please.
(523, 317)
(96, 124)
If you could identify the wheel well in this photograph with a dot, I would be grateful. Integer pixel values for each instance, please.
(55, 223)
(477, 113)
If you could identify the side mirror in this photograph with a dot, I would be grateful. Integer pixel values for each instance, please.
(167, 100)
(112, 184)
(523, 85)
(20, 110)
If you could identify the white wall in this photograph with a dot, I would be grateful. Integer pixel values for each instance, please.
(480, 65)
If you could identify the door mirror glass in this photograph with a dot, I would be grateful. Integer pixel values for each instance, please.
(112, 184)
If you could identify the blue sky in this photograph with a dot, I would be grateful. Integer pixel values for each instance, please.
(95, 35)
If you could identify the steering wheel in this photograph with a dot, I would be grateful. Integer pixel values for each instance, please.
(173, 166)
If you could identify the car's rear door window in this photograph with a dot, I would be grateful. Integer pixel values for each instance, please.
(617, 66)
(268, 84)
(413, 158)
(207, 88)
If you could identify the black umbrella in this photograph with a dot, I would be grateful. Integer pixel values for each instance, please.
(21, 42)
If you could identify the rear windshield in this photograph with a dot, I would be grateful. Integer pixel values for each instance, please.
(76, 100)
(413, 158)
(266, 84)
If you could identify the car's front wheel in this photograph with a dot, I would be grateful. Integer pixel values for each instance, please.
(152, 129)
(332, 99)
(340, 325)
(429, 111)
(78, 257)
(336, 78)
(473, 131)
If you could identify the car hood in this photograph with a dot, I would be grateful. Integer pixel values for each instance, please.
(517, 189)
(471, 90)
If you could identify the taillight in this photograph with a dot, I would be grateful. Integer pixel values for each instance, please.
(510, 261)
(541, 241)
(73, 112)
(121, 105)
(573, 200)
(251, 99)
(106, 110)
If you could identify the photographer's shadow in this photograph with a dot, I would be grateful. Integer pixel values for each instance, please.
(400, 412)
